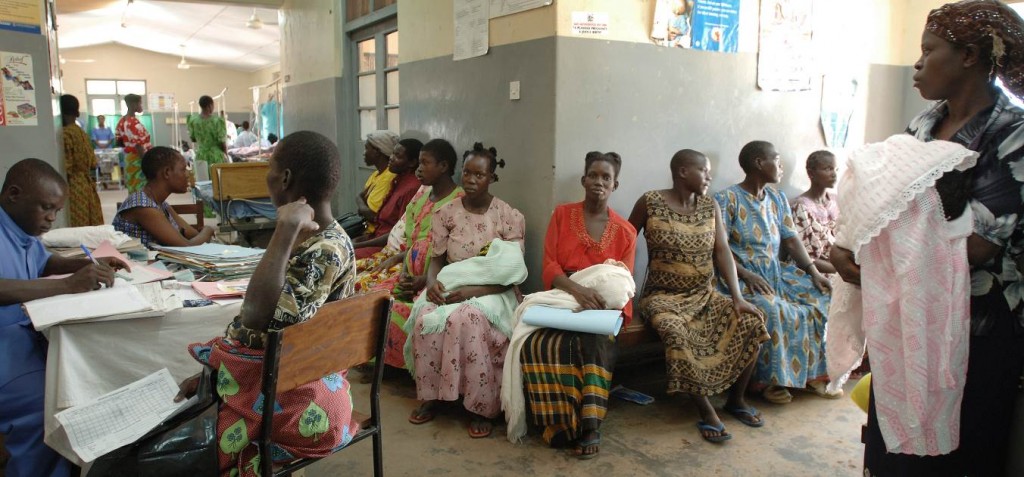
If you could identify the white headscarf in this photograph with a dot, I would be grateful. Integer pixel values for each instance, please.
(384, 141)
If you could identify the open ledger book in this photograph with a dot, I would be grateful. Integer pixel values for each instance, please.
(122, 301)
(122, 416)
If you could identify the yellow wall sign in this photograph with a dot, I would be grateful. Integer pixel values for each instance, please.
(23, 16)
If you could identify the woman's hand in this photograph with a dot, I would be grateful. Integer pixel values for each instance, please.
(847, 268)
(387, 264)
(298, 216)
(741, 306)
(820, 282)
(462, 294)
(755, 282)
(411, 285)
(436, 293)
(188, 388)
(588, 298)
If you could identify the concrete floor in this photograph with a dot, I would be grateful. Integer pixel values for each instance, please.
(810, 436)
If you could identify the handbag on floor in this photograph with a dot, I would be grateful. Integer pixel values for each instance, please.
(184, 445)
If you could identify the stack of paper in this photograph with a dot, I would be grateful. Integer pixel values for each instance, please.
(122, 416)
(218, 290)
(214, 261)
(121, 300)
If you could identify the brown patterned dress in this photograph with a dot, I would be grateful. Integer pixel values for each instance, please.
(707, 346)
(79, 160)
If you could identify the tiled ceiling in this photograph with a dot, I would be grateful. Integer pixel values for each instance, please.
(212, 33)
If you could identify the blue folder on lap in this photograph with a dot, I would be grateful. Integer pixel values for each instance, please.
(601, 322)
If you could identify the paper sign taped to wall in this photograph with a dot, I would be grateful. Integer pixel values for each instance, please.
(590, 23)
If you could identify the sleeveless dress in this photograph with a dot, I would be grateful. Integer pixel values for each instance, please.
(707, 346)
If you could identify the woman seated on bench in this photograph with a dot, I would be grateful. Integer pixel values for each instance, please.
(146, 215)
(579, 235)
(308, 262)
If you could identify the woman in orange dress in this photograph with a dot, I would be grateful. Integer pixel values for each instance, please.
(135, 139)
(568, 374)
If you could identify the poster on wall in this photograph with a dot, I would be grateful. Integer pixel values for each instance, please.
(785, 60)
(161, 102)
(838, 101)
(17, 90)
(471, 29)
(590, 23)
(500, 8)
(23, 16)
(711, 25)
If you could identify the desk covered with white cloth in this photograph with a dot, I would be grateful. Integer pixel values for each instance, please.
(86, 360)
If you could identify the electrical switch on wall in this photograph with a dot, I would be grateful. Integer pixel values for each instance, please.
(513, 90)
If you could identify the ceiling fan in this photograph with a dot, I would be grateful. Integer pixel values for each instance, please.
(64, 60)
(184, 65)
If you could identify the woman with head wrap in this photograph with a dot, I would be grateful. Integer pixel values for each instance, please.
(135, 139)
(964, 48)
(378, 148)
(402, 163)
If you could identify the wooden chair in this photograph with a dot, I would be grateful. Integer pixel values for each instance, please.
(342, 335)
(191, 209)
(240, 181)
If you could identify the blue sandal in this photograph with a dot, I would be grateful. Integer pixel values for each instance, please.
(705, 427)
(581, 445)
(747, 415)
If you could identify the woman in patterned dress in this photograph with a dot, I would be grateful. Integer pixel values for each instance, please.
(815, 211)
(965, 47)
(466, 357)
(308, 262)
(711, 341)
(79, 161)
(793, 297)
(135, 139)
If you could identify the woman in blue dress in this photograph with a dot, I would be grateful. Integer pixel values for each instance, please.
(793, 297)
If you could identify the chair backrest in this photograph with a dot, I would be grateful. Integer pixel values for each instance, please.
(191, 209)
(341, 335)
(240, 180)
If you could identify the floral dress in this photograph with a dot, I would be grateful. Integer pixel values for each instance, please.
(311, 420)
(133, 136)
(467, 357)
(816, 224)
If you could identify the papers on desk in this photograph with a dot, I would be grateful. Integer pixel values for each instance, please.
(122, 301)
(215, 261)
(122, 416)
(218, 290)
(140, 272)
(601, 322)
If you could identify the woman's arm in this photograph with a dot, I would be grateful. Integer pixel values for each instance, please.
(435, 290)
(638, 217)
(155, 222)
(379, 241)
(727, 267)
(795, 248)
(268, 279)
(843, 262)
(980, 250)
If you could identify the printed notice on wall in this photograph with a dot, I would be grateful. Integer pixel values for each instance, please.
(161, 102)
(716, 25)
(785, 61)
(17, 90)
(23, 16)
(500, 8)
(590, 23)
(471, 30)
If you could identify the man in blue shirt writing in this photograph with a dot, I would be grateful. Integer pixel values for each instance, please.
(32, 194)
(101, 135)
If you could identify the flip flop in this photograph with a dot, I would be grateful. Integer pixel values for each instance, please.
(480, 434)
(577, 451)
(747, 415)
(705, 427)
(777, 395)
(421, 415)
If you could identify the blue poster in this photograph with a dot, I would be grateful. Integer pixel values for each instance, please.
(716, 25)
